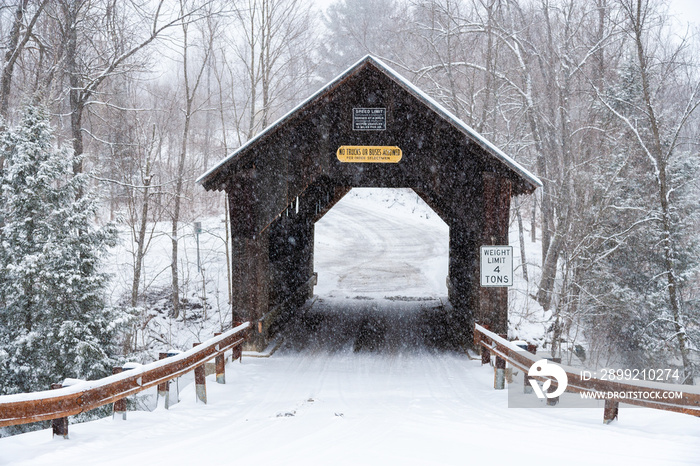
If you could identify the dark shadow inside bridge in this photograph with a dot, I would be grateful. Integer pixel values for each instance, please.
(371, 326)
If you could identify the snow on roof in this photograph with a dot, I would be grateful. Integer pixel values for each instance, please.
(411, 88)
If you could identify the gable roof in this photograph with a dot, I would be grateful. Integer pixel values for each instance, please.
(369, 60)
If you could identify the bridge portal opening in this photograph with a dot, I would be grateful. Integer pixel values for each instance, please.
(381, 259)
(381, 244)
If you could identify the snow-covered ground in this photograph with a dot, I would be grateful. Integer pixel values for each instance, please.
(358, 380)
(155, 329)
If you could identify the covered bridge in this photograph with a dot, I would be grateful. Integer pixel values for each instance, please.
(369, 127)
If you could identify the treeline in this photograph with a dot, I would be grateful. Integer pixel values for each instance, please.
(598, 98)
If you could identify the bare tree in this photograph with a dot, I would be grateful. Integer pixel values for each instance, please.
(19, 36)
(272, 57)
(190, 91)
(102, 39)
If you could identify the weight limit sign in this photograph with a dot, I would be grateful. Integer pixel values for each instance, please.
(496, 265)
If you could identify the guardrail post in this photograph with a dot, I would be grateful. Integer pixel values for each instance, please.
(119, 406)
(610, 411)
(59, 426)
(164, 388)
(220, 363)
(554, 401)
(499, 374)
(485, 356)
(485, 353)
(527, 388)
(200, 383)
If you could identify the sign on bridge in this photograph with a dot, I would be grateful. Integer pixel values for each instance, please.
(369, 154)
(496, 265)
(369, 119)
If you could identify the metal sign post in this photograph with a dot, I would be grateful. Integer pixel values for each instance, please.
(197, 232)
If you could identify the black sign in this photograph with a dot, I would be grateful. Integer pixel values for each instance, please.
(369, 119)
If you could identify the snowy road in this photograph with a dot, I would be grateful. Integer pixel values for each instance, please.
(365, 247)
(361, 381)
(318, 401)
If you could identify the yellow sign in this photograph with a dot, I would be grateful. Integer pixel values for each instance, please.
(369, 154)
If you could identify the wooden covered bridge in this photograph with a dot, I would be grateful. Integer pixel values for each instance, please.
(369, 127)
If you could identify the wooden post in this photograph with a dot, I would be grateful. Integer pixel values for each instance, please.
(527, 388)
(610, 411)
(200, 383)
(164, 388)
(220, 363)
(485, 353)
(493, 301)
(554, 401)
(59, 426)
(499, 374)
(119, 406)
(237, 351)
(250, 266)
(499, 371)
(463, 271)
(485, 356)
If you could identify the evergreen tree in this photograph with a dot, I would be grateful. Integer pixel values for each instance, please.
(53, 319)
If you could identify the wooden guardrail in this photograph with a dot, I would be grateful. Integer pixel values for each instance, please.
(663, 393)
(24, 408)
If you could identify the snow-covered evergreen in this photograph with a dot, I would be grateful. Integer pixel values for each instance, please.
(53, 321)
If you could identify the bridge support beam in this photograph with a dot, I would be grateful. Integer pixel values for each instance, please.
(250, 282)
(493, 301)
(463, 285)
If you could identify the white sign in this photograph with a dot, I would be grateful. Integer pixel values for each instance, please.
(496, 265)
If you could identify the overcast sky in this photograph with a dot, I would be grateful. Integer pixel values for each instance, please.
(685, 10)
(688, 9)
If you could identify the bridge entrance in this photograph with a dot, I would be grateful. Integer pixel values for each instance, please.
(367, 128)
(381, 245)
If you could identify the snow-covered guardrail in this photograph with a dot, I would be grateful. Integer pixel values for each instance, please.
(665, 395)
(23, 408)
